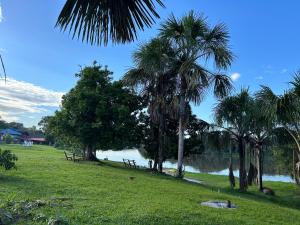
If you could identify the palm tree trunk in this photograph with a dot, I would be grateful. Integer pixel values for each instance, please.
(294, 166)
(161, 142)
(242, 170)
(259, 167)
(297, 168)
(231, 175)
(181, 135)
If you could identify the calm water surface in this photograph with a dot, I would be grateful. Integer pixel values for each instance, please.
(212, 163)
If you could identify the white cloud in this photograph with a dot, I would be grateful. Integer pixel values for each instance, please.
(259, 78)
(1, 15)
(235, 76)
(283, 71)
(19, 98)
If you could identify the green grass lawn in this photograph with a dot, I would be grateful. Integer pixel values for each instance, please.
(103, 194)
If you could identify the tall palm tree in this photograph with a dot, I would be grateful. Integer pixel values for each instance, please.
(195, 43)
(261, 127)
(234, 114)
(97, 21)
(153, 77)
(285, 110)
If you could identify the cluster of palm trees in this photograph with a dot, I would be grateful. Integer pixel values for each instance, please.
(249, 128)
(251, 123)
(285, 111)
(171, 71)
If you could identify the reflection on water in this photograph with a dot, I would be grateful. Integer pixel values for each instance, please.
(212, 163)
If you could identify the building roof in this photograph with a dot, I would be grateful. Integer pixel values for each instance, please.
(10, 131)
(37, 139)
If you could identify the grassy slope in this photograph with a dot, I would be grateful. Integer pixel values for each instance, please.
(104, 194)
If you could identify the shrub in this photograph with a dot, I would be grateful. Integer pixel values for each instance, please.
(8, 139)
(7, 159)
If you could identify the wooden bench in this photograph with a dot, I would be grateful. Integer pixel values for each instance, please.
(77, 158)
(73, 157)
(69, 156)
(130, 163)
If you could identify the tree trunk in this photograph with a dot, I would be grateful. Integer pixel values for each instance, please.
(90, 153)
(297, 168)
(259, 167)
(242, 170)
(154, 168)
(181, 135)
(161, 142)
(251, 174)
(231, 175)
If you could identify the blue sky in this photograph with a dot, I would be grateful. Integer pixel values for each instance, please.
(41, 61)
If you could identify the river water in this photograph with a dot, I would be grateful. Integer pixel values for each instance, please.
(211, 163)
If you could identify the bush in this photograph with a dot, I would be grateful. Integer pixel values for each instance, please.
(8, 139)
(7, 159)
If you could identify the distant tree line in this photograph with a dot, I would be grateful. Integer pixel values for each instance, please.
(26, 131)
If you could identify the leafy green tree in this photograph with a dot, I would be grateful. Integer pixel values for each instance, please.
(97, 21)
(98, 113)
(45, 126)
(7, 159)
(8, 139)
(194, 144)
(196, 43)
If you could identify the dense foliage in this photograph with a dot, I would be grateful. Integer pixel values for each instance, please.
(7, 159)
(97, 113)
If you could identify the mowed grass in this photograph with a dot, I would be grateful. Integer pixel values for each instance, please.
(104, 194)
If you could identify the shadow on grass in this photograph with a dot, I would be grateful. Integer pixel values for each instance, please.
(290, 201)
(142, 170)
(16, 183)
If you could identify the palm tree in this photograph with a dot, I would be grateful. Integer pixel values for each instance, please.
(97, 21)
(153, 77)
(234, 114)
(195, 43)
(261, 127)
(285, 110)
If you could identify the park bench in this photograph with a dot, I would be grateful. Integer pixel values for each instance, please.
(73, 157)
(69, 156)
(129, 163)
(77, 158)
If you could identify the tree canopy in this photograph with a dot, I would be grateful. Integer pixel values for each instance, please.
(98, 113)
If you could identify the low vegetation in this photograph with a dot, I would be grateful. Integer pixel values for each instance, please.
(103, 193)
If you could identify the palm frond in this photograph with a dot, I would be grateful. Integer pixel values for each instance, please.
(216, 46)
(267, 101)
(95, 21)
(222, 85)
(296, 83)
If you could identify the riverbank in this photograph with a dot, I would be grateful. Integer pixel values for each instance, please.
(212, 162)
(108, 193)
